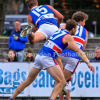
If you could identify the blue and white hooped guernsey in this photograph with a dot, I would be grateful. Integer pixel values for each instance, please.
(54, 45)
(79, 39)
(42, 14)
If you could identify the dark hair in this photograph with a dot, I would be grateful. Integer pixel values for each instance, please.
(13, 51)
(79, 16)
(15, 58)
(31, 3)
(29, 50)
(70, 24)
(17, 21)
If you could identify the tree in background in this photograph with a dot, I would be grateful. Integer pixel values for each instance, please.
(66, 7)
(3, 4)
(91, 7)
(9, 7)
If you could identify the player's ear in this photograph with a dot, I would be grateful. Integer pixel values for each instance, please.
(37, 4)
(29, 8)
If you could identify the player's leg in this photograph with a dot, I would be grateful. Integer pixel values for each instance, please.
(70, 64)
(61, 96)
(67, 74)
(43, 33)
(31, 77)
(68, 87)
(56, 72)
(36, 37)
(68, 95)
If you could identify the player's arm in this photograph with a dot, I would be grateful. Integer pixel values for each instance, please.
(62, 26)
(29, 20)
(31, 36)
(85, 43)
(58, 59)
(57, 14)
(72, 46)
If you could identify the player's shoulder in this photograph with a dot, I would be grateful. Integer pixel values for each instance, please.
(44, 6)
(64, 30)
(82, 27)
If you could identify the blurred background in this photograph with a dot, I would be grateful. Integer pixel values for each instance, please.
(18, 9)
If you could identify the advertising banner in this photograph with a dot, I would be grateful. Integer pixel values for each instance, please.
(43, 84)
(11, 75)
(84, 82)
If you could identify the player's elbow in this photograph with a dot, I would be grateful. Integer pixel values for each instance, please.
(61, 17)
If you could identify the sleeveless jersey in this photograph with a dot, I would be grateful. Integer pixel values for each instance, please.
(79, 39)
(54, 45)
(42, 14)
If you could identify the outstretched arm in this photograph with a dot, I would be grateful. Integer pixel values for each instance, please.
(72, 46)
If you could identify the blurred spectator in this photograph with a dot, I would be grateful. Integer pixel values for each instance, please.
(16, 42)
(29, 55)
(97, 55)
(11, 56)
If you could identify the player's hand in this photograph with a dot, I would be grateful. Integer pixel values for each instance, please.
(91, 67)
(15, 37)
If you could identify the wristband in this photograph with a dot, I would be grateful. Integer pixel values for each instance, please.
(82, 55)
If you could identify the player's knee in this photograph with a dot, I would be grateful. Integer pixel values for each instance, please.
(63, 82)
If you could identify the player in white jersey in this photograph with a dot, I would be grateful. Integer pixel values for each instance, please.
(70, 62)
(41, 18)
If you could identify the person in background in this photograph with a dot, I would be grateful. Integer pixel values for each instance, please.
(29, 55)
(97, 55)
(16, 42)
(11, 56)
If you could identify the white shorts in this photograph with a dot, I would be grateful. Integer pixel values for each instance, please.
(43, 62)
(70, 63)
(68, 85)
(47, 29)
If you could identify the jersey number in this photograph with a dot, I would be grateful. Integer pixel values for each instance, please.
(38, 11)
(79, 31)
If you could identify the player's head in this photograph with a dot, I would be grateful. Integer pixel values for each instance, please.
(71, 26)
(31, 3)
(80, 17)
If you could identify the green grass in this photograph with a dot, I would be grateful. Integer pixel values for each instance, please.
(3, 36)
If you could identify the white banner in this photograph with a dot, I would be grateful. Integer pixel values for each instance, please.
(84, 82)
(11, 75)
